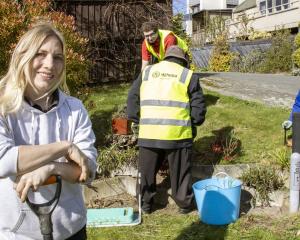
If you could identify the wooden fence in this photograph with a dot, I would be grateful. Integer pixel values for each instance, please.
(114, 31)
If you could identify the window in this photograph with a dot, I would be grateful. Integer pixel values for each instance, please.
(285, 4)
(195, 9)
(278, 5)
(262, 7)
(230, 6)
(270, 6)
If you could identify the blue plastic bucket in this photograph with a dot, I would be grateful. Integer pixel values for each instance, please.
(218, 199)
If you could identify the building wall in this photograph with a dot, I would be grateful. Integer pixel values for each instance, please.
(203, 33)
(202, 6)
(287, 18)
(209, 4)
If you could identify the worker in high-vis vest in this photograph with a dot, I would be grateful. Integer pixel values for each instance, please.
(156, 43)
(167, 103)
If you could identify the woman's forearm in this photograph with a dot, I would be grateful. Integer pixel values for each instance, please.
(69, 171)
(31, 157)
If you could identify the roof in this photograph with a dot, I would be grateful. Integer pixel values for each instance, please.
(247, 4)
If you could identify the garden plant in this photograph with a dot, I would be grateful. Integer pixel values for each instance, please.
(236, 125)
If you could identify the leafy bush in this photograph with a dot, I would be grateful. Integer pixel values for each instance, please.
(113, 158)
(259, 35)
(251, 63)
(296, 54)
(264, 179)
(227, 145)
(296, 57)
(18, 16)
(297, 40)
(12, 22)
(281, 157)
(279, 55)
(221, 56)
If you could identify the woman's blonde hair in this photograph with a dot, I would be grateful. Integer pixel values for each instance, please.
(14, 83)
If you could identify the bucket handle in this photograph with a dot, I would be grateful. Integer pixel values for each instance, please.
(205, 188)
(220, 173)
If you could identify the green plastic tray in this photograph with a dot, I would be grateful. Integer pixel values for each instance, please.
(103, 217)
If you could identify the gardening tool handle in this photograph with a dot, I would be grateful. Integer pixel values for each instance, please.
(51, 180)
(46, 226)
(52, 203)
(48, 237)
(44, 210)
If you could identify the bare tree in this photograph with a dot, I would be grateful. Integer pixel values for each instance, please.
(118, 39)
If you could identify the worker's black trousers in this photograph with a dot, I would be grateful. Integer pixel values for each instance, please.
(150, 160)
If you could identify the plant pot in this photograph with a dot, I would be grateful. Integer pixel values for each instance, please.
(121, 126)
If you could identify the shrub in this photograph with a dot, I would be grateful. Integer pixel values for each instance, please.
(264, 179)
(281, 157)
(279, 55)
(259, 35)
(227, 145)
(221, 56)
(18, 16)
(113, 158)
(296, 57)
(12, 22)
(252, 62)
(296, 54)
(297, 40)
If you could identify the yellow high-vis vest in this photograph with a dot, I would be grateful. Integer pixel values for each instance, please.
(162, 35)
(164, 100)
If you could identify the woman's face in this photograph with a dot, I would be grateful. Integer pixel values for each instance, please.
(47, 67)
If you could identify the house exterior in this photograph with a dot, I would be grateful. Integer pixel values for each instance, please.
(263, 16)
(205, 14)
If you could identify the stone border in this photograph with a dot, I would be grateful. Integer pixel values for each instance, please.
(124, 181)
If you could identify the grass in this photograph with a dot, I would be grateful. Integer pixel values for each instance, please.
(101, 103)
(257, 129)
(160, 226)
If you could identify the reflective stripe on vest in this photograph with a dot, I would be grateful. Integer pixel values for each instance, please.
(165, 107)
(162, 35)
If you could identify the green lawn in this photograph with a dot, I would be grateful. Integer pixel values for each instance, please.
(160, 226)
(257, 130)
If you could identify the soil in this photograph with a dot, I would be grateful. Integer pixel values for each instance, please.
(127, 200)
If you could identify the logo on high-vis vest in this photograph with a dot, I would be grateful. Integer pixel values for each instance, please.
(156, 74)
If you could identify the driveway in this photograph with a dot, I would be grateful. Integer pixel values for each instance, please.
(271, 89)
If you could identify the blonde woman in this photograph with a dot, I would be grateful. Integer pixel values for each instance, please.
(43, 132)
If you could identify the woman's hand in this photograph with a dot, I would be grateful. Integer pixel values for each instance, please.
(33, 180)
(76, 155)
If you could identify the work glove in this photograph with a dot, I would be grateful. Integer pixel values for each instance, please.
(287, 124)
(135, 128)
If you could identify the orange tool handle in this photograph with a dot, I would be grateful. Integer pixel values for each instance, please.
(50, 180)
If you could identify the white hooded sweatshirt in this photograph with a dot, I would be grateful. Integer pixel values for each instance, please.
(29, 126)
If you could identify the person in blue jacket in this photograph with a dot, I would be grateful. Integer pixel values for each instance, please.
(287, 124)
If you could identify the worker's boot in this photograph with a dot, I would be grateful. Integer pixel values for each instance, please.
(146, 208)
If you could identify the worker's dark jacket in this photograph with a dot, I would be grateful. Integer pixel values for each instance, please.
(197, 111)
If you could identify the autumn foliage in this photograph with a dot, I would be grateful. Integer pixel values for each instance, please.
(17, 16)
